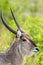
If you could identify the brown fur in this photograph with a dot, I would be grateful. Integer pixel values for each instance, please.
(17, 51)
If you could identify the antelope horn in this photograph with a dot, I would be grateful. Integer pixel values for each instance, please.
(8, 27)
(15, 19)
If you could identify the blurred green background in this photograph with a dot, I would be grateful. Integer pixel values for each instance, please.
(29, 14)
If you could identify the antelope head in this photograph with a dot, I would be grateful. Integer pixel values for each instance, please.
(26, 45)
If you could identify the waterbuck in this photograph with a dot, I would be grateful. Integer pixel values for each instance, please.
(21, 46)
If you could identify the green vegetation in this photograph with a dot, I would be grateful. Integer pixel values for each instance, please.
(26, 16)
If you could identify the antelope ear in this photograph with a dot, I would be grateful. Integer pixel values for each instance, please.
(19, 33)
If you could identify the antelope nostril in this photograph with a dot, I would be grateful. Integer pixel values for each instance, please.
(37, 49)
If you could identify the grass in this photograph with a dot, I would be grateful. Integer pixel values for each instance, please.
(32, 24)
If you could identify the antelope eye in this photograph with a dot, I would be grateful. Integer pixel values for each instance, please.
(24, 40)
